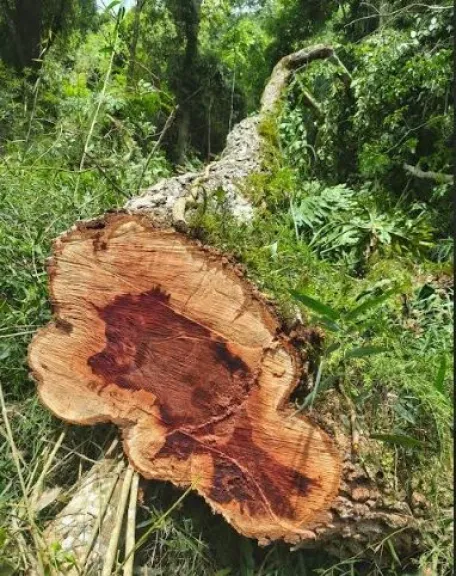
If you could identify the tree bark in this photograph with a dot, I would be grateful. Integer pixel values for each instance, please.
(187, 15)
(134, 42)
(14, 35)
(28, 20)
(168, 340)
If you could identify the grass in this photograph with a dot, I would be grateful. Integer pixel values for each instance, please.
(403, 394)
(400, 382)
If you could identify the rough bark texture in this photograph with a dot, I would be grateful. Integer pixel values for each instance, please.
(118, 281)
(187, 16)
(241, 157)
(25, 30)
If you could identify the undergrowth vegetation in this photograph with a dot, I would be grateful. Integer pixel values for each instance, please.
(343, 232)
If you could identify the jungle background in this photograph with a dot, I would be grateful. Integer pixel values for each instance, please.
(354, 205)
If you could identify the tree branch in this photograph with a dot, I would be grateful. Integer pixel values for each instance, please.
(310, 101)
(285, 68)
(437, 177)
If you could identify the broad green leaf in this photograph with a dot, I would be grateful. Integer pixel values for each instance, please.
(364, 351)
(403, 413)
(113, 4)
(440, 378)
(315, 305)
(398, 440)
(4, 353)
(369, 305)
(332, 348)
(329, 324)
(273, 248)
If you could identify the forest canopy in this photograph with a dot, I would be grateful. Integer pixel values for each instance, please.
(352, 227)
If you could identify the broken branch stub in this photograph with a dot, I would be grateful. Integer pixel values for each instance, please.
(165, 338)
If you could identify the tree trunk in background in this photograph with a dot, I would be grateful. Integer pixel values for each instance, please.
(190, 14)
(365, 18)
(383, 12)
(134, 42)
(183, 134)
(24, 26)
(28, 20)
(34, 25)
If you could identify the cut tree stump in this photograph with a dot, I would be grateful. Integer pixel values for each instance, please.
(166, 338)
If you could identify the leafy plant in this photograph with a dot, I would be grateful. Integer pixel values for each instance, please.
(343, 325)
(341, 224)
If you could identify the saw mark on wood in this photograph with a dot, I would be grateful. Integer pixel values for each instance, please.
(200, 385)
(63, 325)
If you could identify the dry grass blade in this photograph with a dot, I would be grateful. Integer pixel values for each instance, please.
(24, 551)
(111, 553)
(38, 487)
(130, 540)
(27, 504)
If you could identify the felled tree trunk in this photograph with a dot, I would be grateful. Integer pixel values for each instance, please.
(167, 339)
